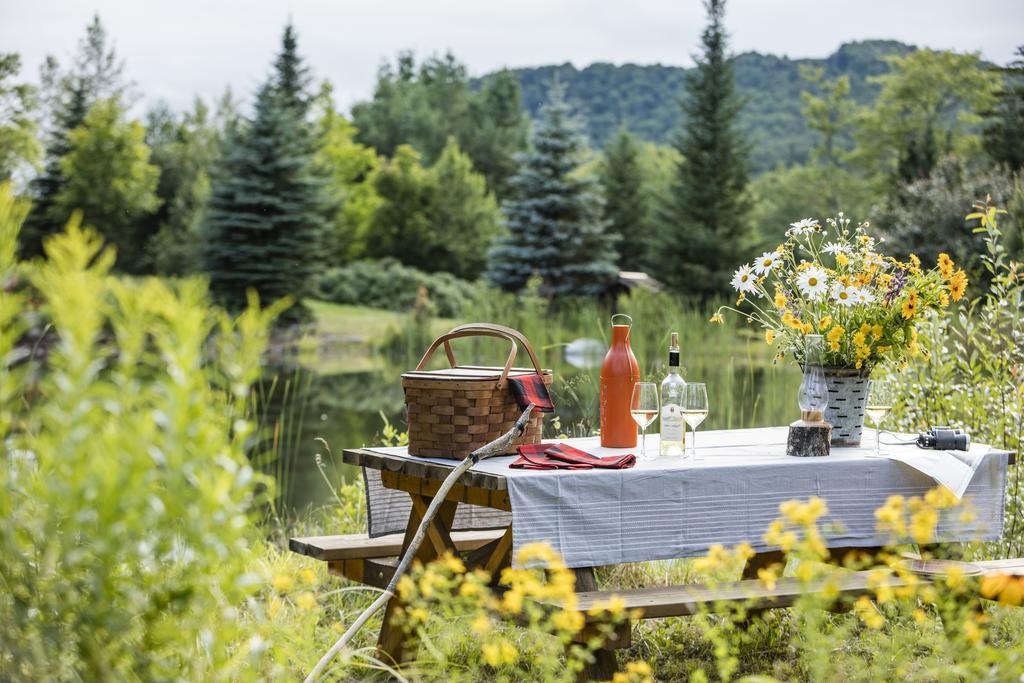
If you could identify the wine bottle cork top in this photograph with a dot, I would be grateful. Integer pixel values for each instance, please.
(675, 339)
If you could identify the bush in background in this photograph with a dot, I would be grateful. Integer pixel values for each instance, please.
(389, 285)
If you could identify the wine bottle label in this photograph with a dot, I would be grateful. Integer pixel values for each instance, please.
(671, 423)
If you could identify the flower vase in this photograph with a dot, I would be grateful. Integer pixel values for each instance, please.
(847, 398)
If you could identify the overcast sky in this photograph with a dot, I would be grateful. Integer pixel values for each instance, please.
(175, 49)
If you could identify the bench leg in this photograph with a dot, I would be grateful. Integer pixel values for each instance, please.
(393, 643)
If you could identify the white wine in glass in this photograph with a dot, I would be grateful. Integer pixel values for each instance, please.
(695, 410)
(880, 398)
(644, 408)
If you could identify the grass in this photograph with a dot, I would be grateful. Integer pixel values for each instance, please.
(362, 324)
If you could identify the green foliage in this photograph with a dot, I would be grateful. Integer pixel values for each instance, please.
(67, 97)
(927, 108)
(1004, 121)
(392, 286)
(633, 95)
(927, 219)
(972, 375)
(437, 219)
(829, 111)
(20, 149)
(109, 178)
(126, 551)
(349, 168)
(626, 203)
(424, 107)
(703, 224)
(268, 207)
(464, 217)
(555, 229)
(185, 149)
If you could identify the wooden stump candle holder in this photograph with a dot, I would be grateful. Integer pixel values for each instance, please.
(809, 436)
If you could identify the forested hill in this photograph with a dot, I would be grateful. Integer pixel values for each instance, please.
(645, 98)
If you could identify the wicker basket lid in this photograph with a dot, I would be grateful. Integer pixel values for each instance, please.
(469, 373)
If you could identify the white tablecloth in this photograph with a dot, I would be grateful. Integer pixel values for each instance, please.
(670, 507)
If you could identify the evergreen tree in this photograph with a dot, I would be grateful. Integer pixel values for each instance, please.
(267, 208)
(555, 230)
(109, 178)
(626, 205)
(500, 131)
(1004, 128)
(703, 226)
(67, 98)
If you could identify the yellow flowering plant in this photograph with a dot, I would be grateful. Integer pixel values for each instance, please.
(833, 281)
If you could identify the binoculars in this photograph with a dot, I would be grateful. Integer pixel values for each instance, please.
(945, 439)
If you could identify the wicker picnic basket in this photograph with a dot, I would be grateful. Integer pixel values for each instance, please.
(454, 411)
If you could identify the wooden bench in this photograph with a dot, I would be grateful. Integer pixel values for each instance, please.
(680, 601)
(372, 561)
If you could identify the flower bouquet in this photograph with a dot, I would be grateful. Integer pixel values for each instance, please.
(832, 281)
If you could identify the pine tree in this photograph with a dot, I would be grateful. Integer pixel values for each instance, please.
(555, 230)
(703, 224)
(68, 96)
(267, 209)
(625, 201)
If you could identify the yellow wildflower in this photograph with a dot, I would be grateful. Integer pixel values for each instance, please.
(305, 600)
(835, 334)
(972, 632)
(945, 266)
(859, 338)
(498, 653)
(481, 624)
(769, 336)
(454, 564)
(958, 285)
(568, 620)
(769, 576)
(824, 323)
(717, 318)
(841, 260)
(868, 613)
(807, 328)
(909, 308)
(780, 299)
(920, 616)
(282, 582)
(406, 586)
(419, 615)
(308, 576)
(943, 297)
(877, 332)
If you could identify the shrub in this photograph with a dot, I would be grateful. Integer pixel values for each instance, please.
(390, 285)
(125, 552)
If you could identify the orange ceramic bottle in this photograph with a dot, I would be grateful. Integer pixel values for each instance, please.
(619, 373)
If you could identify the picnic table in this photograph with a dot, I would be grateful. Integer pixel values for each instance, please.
(662, 508)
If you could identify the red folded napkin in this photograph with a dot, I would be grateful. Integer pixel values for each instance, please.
(531, 389)
(562, 456)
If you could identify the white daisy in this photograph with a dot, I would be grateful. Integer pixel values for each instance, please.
(768, 260)
(744, 280)
(844, 295)
(804, 226)
(812, 282)
(835, 248)
(862, 295)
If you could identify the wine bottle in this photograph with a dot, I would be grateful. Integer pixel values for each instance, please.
(673, 432)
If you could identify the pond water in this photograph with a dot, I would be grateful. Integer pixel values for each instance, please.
(343, 392)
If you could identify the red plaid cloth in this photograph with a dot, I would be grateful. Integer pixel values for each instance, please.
(561, 456)
(531, 389)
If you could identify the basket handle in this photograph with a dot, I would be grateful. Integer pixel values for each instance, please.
(482, 330)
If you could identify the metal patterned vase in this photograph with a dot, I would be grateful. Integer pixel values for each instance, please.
(847, 398)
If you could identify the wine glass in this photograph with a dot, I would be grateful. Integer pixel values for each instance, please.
(644, 408)
(880, 398)
(695, 410)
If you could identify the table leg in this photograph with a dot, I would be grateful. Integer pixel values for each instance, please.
(604, 666)
(762, 561)
(393, 643)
